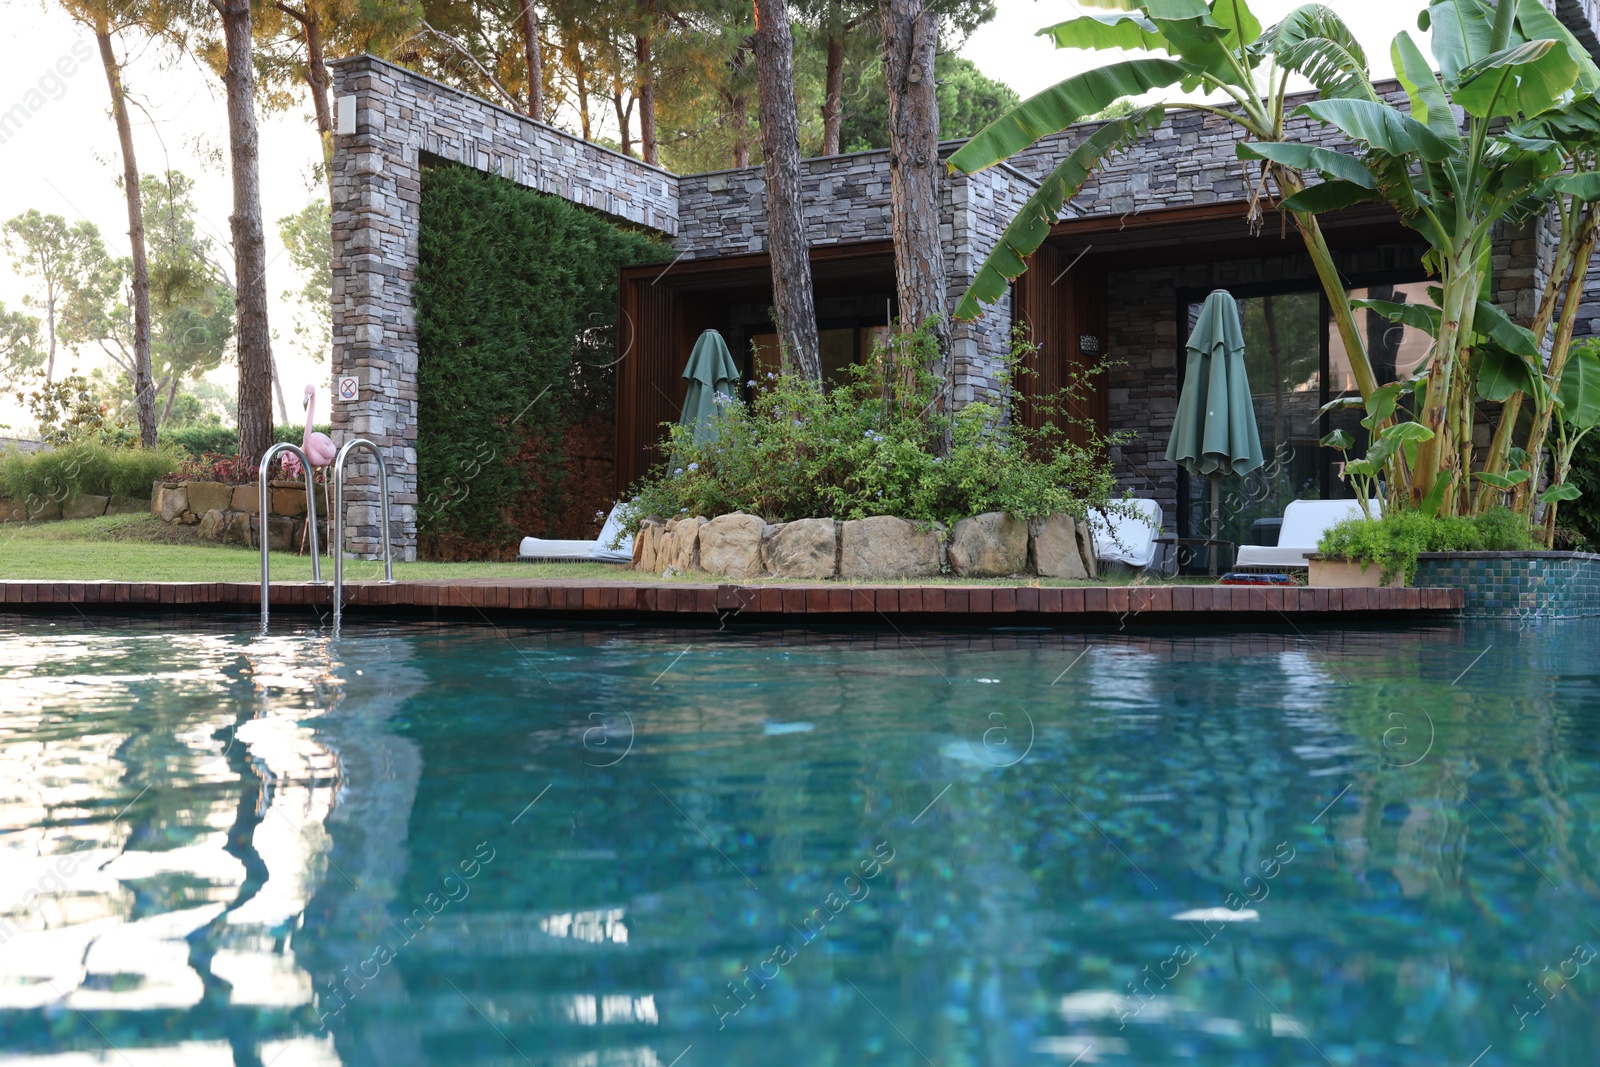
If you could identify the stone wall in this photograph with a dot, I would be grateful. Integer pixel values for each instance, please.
(846, 200)
(377, 188)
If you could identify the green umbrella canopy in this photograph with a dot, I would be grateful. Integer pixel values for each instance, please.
(710, 371)
(1215, 429)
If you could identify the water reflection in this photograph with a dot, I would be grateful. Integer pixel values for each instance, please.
(441, 845)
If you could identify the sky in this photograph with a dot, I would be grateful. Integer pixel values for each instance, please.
(64, 160)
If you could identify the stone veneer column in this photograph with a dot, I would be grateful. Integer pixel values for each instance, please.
(377, 191)
(376, 215)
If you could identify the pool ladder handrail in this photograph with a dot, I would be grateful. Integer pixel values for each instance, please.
(261, 518)
(338, 520)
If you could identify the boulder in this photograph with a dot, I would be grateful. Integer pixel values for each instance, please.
(169, 502)
(126, 505)
(887, 547)
(246, 498)
(290, 501)
(990, 545)
(683, 553)
(1053, 549)
(239, 529)
(281, 531)
(730, 545)
(85, 506)
(11, 510)
(1086, 549)
(209, 496)
(42, 510)
(646, 544)
(805, 548)
(214, 524)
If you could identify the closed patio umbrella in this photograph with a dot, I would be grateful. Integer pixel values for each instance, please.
(710, 371)
(1215, 429)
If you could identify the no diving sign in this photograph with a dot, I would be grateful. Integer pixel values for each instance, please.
(349, 388)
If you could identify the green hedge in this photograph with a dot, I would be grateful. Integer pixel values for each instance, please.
(224, 440)
(61, 474)
(507, 279)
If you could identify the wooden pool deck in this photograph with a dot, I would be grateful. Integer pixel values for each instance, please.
(682, 602)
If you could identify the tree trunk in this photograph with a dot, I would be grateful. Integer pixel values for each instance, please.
(833, 95)
(530, 51)
(910, 38)
(277, 392)
(249, 243)
(580, 75)
(792, 297)
(317, 79)
(646, 72)
(143, 388)
(172, 394)
(624, 121)
(739, 112)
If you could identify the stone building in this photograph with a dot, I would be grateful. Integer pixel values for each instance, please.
(1107, 298)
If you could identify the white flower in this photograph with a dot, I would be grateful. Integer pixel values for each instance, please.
(678, 471)
(694, 466)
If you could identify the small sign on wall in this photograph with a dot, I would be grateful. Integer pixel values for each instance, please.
(349, 388)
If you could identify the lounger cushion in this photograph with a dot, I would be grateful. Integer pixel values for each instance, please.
(1304, 523)
(1129, 539)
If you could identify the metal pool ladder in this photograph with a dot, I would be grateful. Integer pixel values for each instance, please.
(261, 518)
(338, 521)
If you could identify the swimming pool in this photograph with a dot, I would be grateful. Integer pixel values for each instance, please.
(635, 848)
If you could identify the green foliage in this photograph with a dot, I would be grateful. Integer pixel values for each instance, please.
(968, 101)
(795, 451)
(516, 297)
(308, 238)
(82, 467)
(1394, 541)
(217, 440)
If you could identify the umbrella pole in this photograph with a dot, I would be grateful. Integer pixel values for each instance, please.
(1216, 519)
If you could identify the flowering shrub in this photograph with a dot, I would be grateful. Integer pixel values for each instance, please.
(861, 448)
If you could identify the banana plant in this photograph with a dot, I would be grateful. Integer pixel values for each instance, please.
(1193, 47)
(1502, 66)
(1577, 412)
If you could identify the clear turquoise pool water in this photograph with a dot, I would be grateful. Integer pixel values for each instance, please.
(626, 848)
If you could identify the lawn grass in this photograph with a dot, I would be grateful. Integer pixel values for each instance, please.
(141, 548)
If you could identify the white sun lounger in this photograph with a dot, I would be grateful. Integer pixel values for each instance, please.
(597, 551)
(1129, 539)
(1304, 523)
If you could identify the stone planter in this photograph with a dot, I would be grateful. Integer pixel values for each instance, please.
(1527, 585)
(1346, 574)
(228, 513)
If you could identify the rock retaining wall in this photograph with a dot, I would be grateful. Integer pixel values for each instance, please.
(229, 513)
(740, 546)
(83, 506)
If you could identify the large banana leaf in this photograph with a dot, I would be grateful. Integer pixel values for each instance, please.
(1329, 196)
(1495, 324)
(1580, 388)
(1535, 23)
(1325, 161)
(1059, 106)
(1238, 19)
(1585, 186)
(1429, 105)
(1381, 127)
(1463, 34)
(1501, 373)
(1032, 225)
(1156, 9)
(1313, 41)
(1525, 79)
(1417, 316)
(1129, 30)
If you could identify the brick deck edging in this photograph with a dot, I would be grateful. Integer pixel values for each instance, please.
(825, 602)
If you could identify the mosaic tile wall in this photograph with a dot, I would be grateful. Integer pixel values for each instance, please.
(1510, 585)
